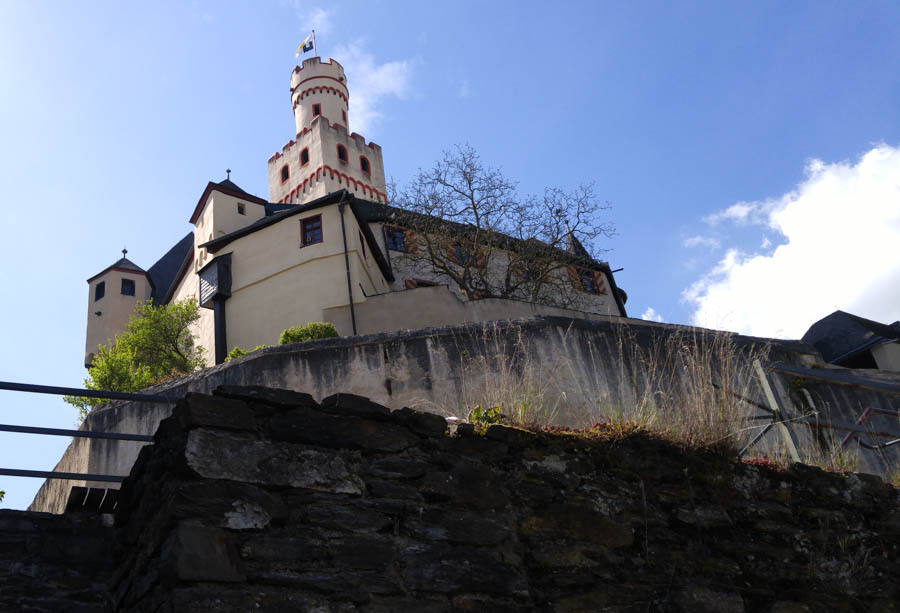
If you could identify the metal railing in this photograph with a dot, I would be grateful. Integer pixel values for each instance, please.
(74, 391)
(781, 418)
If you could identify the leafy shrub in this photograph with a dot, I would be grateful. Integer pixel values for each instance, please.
(156, 345)
(312, 331)
(238, 352)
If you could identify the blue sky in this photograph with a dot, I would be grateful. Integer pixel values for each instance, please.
(751, 151)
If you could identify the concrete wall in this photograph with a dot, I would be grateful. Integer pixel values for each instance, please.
(576, 370)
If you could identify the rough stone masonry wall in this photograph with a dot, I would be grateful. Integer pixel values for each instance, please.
(255, 499)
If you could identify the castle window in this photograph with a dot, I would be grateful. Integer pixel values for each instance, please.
(311, 230)
(241, 209)
(317, 110)
(99, 291)
(342, 153)
(414, 283)
(364, 164)
(128, 287)
(304, 157)
(398, 239)
(285, 173)
(344, 115)
(590, 281)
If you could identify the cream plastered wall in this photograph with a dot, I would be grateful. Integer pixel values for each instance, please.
(324, 78)
(887, 356)
(276, 283)
(115, 308)
(324, 172)
(426, 307)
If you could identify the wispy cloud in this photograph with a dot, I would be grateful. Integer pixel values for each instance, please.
(841, 227)
(702, 241)
(651, 315)
(371, 83)
(310, 17)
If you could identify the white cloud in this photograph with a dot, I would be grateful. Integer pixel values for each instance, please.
(842, 251)
(370, 83)
(651, 315)
(702, 241)
(766, 243)
(314, 18)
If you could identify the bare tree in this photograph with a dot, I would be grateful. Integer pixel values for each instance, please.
(468, 225)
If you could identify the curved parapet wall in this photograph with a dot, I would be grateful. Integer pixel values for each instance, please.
(323, 84)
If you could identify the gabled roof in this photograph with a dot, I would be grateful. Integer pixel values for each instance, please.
(166, 272)
(333, 198)
(840, 335)
(122, 265)
(227, 187)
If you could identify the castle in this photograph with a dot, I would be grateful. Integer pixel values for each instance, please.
(326, 246)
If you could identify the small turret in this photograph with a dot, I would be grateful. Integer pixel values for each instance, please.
(112, 296)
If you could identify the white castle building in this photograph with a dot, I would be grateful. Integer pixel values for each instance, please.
(324, 247)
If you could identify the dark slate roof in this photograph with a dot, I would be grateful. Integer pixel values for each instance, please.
(126, 264)
(120, 264)
(230, 185)
(574, 246)
(226, 187)
(164, 273)
(840, 335)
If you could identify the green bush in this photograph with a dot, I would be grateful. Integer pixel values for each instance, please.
(312, 331)
(157, 345)
(238, 352)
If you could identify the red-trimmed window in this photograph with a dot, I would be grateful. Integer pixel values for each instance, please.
(414, 283)
(304, 157)
(342, 153)
(590, 281)
(364, 164)
(344, 115)
(317, 110)
(285, 173)
(311, 230)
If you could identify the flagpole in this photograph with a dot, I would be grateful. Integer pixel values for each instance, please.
(315, 48)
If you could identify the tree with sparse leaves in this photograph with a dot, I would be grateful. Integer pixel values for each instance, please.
(467, 224)
(157, 345)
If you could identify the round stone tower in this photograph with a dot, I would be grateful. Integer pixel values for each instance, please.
(319, 89)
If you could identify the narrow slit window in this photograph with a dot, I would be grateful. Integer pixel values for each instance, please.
(342, 153)
(285, 173)
(364, 164)
(317, 110)
(304, 157)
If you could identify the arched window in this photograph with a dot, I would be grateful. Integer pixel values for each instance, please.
(285, 173)
(304, 157)
(342, 153)
(364, 164)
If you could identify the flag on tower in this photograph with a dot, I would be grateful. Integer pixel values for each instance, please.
(307, 45)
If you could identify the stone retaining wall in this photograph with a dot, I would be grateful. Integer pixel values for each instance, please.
(255, 499)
